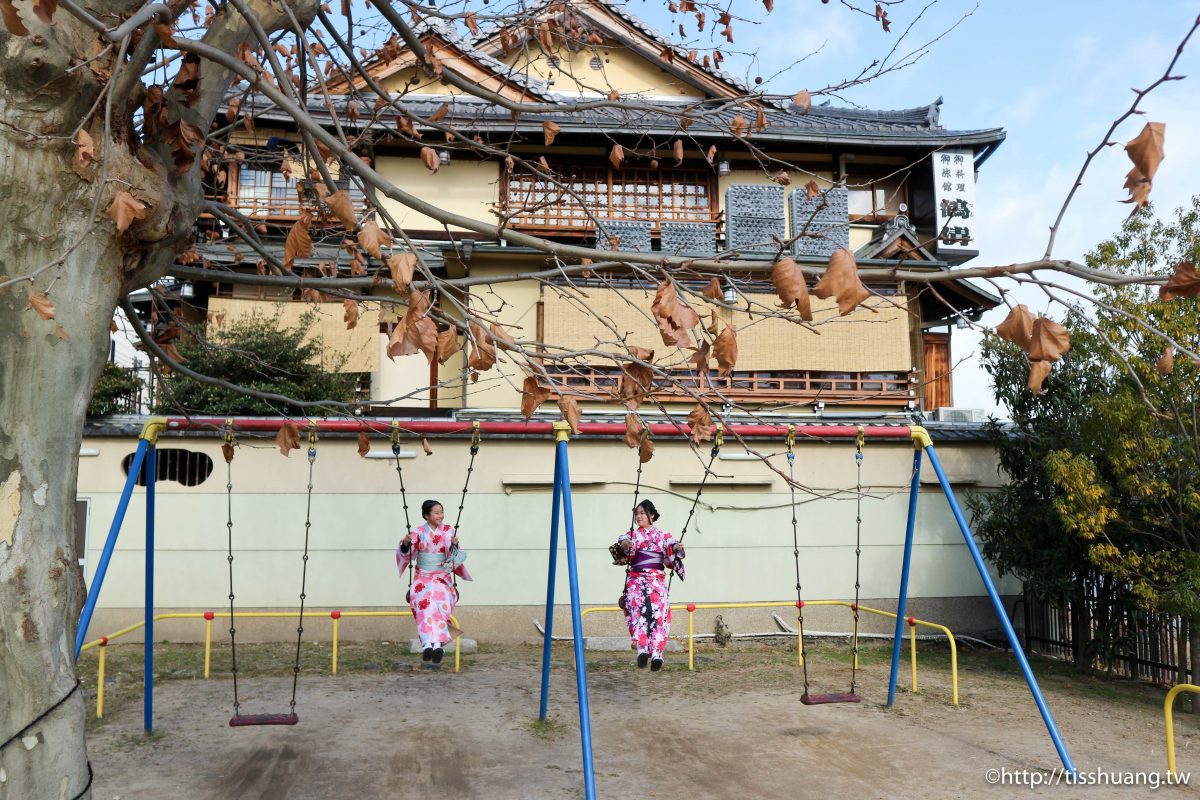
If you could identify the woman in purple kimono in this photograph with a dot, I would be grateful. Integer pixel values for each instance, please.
(649, 552)
(433, 549)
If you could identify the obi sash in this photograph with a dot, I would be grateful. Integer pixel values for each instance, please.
(645, 559)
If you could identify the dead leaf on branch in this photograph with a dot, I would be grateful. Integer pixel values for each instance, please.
(502, 338)
(402, 266)
(425, 446)
(725, 350)
(674, 317)
(85, 155)
(1166, 362)
(40, 303)
(12, 21)
(677, 151)
(483, 352)
(700, 358)
(298, 243)
(646, 449)
(430, 158)
(841, 281)
(1049, 340)
(1184, 283)
(1038, 372)
(125, 209)
(447, 344)
(549, 131)
(791, 287)
(811, 190)
(1146, 149)
(288, 438)
(533, 395)
(372, 238)
(738, 126)
(713, 291)
(700, 421)
(340, 204)
(1017, 327)
(350, 314)
(802, 101)
(570, 412)
(364, 444)
(616, 156)
(637, 379)
(227, 452)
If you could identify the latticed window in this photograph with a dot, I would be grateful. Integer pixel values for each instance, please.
(644, 194)
(263, 192)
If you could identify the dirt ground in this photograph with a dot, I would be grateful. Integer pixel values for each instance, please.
(390, 727)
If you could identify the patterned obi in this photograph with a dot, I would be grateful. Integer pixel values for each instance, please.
(641, 560)
(440, 562)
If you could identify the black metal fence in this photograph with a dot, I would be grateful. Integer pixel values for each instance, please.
(1126, 641)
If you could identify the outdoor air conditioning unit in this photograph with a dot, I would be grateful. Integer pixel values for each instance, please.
(959, 415)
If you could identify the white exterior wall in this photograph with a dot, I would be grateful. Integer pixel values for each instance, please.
(741, 551)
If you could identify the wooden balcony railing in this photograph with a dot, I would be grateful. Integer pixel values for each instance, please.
(771, 387)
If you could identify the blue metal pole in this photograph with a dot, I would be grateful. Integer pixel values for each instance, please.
(93, 594)
(550, 586)
(148, 643)
(913, 493)
(999, 607)
(585, 723)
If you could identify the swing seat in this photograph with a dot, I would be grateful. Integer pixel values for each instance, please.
(832, 697)
(246, 720)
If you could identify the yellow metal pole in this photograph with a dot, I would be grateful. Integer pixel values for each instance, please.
(335, 616)
(100, 679)
(458, 639)
(799, 637)
(208, 618)
(1168, 718)
(912, 638)
(953, 665)
(691, 609)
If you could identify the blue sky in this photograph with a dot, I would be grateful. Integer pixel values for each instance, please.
(1053, 74)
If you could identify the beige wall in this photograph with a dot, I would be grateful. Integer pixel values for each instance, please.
(740, 542)
(466, 187)
(623, 71)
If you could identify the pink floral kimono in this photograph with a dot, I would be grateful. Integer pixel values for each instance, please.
(647, 605)
(432, 596)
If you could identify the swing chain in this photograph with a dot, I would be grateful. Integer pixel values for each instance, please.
(791, 456)
(403, 494)
(312, 457)
(462, 501)
(860, 440)
(233, 670)
(718, 441)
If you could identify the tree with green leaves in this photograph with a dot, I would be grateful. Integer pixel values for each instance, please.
(116, 392)
(258, 353)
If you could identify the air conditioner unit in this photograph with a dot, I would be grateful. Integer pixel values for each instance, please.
(959, 415)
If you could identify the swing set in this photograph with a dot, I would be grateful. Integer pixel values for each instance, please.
(561, 510)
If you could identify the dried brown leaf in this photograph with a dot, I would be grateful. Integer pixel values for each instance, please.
(371, 238)
(791, 287)
(674, 317)
(1017, 327)
(1146, 149)
(802, 101)
(502, 338)
(298, 243)
(227, 452)
(713, 291)
(1166, 362)
(570, 412)
(782, 178)
(1184, 283)
(646, 449)
(430, 158)
(616, 156)
(125, 209)
(350, 314)
(364, 444)
(472, 25)
(1038, 371)
(677, 151)
(402, 266)
(725, 350)
(425, 446)
(738, 126)
(811, 189)
(85, 155)
(340, 204)
(549, 131)
(1048, 341)
(12, 22)
(533, 395)
(40, 303)
(841, 281)
(700, 422)
(483, 351)
(447, 344)
(288, 438)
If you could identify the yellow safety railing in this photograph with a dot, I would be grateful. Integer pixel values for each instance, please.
(1168, 702)
(209, 616)
(913, 623)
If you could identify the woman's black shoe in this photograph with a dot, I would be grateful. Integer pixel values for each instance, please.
(642, 659)
(656, 665)
(437, 655)
(427, 654)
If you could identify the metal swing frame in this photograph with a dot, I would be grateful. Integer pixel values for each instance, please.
(561, 509)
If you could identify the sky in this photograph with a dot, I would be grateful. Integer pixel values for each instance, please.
(1054, 75)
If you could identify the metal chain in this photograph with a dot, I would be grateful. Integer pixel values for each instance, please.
(475, 440)
(233, 670)
(637, 488)
(791, 457)
(718, 440)
(312, 457)
(403, 495)
(858, 460)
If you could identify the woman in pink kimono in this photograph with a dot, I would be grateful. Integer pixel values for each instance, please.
(649, 552)
(433, 549)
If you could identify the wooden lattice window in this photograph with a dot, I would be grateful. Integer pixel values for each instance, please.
(649, 195)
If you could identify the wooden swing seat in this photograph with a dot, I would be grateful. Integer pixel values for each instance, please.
(246, 720)
(833, 697)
